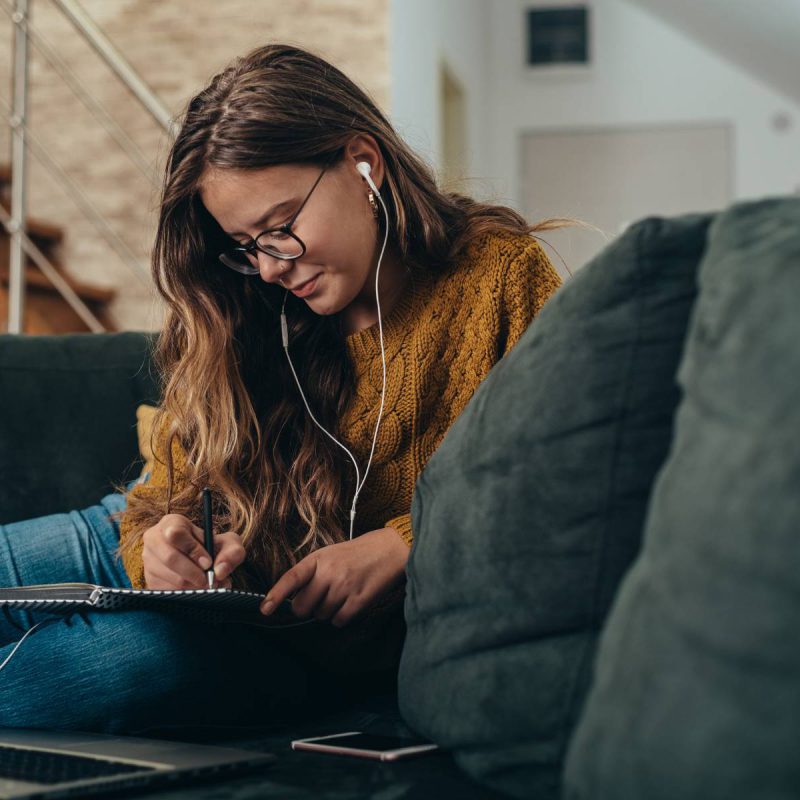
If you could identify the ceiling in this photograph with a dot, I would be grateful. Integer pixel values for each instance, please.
(760, 36)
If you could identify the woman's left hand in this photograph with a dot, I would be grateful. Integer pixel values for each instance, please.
(339, 581)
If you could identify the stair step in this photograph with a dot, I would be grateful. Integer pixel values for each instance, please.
(89, 293)
(46, 311)
(43, 233)
(48, 314)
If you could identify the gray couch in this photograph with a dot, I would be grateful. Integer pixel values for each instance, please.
(654, 399)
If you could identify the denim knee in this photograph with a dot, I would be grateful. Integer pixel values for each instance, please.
(95, 671)
(125, 671)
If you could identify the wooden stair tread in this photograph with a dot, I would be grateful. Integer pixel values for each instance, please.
(46, 311)
(36, 228)
(89, 293)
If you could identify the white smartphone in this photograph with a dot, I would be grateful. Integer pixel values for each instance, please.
(366, 745)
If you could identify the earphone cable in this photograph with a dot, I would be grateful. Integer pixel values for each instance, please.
(285, 337)
(27, 633)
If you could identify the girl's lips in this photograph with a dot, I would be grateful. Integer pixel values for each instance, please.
(306, 288)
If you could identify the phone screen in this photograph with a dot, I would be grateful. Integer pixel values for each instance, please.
(371, 741)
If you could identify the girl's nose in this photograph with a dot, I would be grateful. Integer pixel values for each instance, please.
(272, 269)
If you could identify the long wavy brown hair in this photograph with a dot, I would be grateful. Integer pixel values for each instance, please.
(277, 479)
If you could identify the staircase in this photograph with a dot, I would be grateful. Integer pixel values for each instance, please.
(46, 312)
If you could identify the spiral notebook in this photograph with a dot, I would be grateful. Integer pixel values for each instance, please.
(210, 605)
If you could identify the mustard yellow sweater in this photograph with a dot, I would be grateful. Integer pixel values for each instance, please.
(441, 339)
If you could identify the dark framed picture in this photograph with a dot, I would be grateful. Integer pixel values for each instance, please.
(557, 36)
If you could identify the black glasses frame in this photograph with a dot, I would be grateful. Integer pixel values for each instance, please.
(253, 247)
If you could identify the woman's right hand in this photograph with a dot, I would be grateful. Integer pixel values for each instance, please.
(175, 557)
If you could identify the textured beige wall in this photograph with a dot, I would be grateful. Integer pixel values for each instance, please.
(176, 46)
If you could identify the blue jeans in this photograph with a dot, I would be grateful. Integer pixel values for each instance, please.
(129, 671)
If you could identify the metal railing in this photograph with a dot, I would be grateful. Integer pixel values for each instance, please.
(84, 24)
(16, 225)
(23, 141)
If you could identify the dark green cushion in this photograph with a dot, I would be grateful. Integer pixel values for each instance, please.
(68, 421)
(697, 691)
(531, 509)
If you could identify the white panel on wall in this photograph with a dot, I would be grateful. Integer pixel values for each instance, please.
(613, 177)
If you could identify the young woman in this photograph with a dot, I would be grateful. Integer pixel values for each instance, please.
(330, 312)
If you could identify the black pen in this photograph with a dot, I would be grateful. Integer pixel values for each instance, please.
(209, 534)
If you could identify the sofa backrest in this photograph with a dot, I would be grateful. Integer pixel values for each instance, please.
(67, 418)
(696, 691)
(531, 510)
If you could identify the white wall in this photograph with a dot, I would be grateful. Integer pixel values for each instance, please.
(614, 178)
(422, 33)
(644, 74)
(760, 37)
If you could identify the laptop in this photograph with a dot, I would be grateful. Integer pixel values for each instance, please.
(39, 763)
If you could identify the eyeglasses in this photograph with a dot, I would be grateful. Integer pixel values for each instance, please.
(281, 242)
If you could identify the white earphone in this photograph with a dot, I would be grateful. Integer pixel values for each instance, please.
(364, 170)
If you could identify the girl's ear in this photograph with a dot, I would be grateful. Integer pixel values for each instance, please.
(363, 148)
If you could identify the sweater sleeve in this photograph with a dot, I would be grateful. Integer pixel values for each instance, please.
(528, 281)
(402, 525)
(154, 490)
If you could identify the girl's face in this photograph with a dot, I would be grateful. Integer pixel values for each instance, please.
(336, 224)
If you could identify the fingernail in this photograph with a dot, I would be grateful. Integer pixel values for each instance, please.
(219, 569)
(266, 606)
(204, 562)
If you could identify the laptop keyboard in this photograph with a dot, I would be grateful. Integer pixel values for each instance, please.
(42, 766)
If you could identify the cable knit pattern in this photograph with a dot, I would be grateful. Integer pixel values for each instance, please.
(441, 339)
